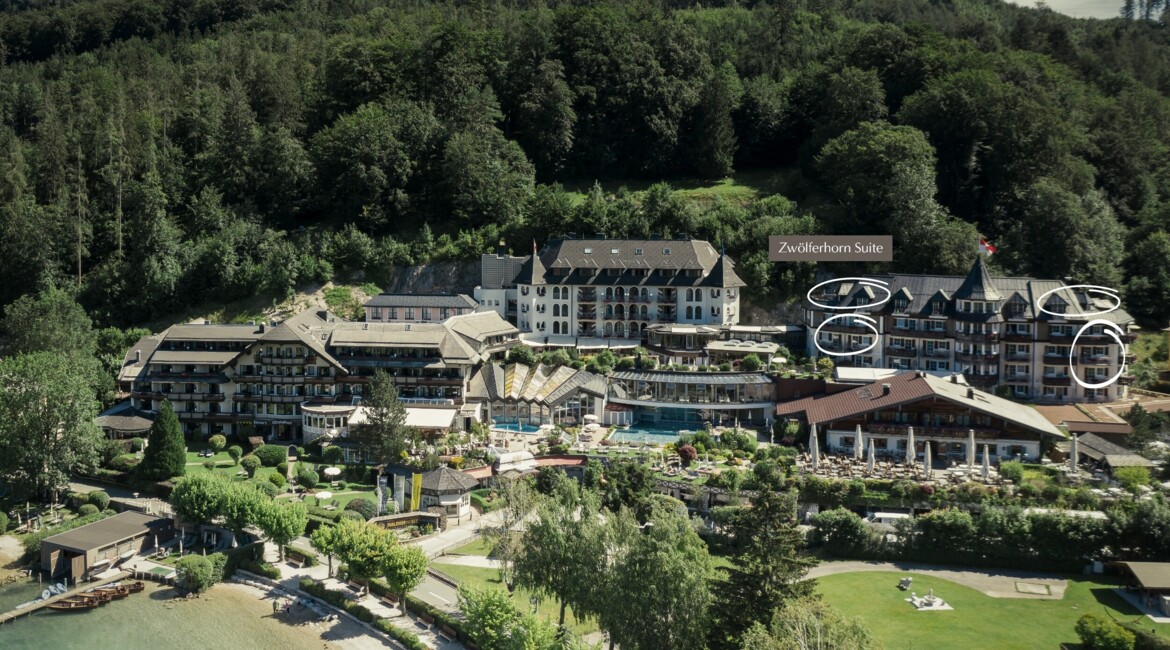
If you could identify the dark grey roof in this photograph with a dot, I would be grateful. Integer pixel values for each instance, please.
(445, 480)
(924, 290)
(590, 261)
(1114, 455)
(125, 417)
(110, 530)
(978, 284)
(460, 301)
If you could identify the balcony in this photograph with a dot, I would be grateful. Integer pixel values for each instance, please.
(1017, 337)
(587, 315)
(282, 379)
(897, 351)
(586, 296)
(977, 337)
(976, 358)
(668, 295)
(840, 326)
(1094, 360)
(1061, 337)
(981, 381)
(1017, 356)
(1125, 380)
(1056, 380)
(1017, 378)
(936, 353)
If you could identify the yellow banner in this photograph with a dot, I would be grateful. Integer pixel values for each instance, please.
(415, 491)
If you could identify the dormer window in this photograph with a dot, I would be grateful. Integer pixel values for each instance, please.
(637, 251)
(588, 251)
(901, 304)
(614, 251)
(937, 306)
(666, 251)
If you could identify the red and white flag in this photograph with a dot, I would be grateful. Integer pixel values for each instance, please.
(985, 247)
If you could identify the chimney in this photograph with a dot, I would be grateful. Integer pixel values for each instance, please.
(885, 389)
(970, 393)
(365, 326)
(922, 374)
(138, 356)
(262, 326)
(954, 379)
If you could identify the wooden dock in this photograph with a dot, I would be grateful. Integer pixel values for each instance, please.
(41, 604)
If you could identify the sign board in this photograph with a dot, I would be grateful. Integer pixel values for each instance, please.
(400, 492)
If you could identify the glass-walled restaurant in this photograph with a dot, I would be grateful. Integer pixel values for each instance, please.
(694, 398)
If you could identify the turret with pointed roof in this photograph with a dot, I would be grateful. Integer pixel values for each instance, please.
(978, 285)
(532, 272)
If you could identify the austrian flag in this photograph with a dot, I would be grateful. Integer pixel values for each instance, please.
(985, 247)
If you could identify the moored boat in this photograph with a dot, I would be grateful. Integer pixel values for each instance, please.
(70, 605)
(136, 587)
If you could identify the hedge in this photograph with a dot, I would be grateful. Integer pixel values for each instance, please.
(310, 557)
(261, 568)
(338, 600)
(239, 556)
(271, 455)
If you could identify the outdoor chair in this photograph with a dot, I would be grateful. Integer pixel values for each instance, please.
(904, 583)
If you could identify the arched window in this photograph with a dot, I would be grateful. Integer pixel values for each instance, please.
(690, 297)
(620, 311)
(556, 327)
(620, 293)
(645, 311)
(609, 329)
(633, 330)
(690, 311)
(609, 311)
(645, 293)
(564, 327)
(556, 309)
(609, 293)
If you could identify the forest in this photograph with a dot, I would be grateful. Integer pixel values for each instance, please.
(158, 154)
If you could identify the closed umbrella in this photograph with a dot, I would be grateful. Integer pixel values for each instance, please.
(1072, 454)
(869, 465)
(857, 450)
(986, 462)
(971, 448)
(911, 456)
(813, 447)
(926, 460)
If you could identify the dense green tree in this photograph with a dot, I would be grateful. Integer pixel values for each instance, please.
(365, 548)
(47, 428)
(808, 624)
(199, 498)
(384, 436)
(716, 137)
(194, 573)
(166, 453)
(404, 569)
(484, 178)
(324, 539)
(767, 569)
(50, 321)
(283, 521)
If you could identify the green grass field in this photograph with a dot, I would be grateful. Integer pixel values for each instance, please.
(480, 547)
(740, 187)
(480, 577)
(978, 621)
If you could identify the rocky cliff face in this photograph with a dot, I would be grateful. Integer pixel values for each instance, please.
(439, 277)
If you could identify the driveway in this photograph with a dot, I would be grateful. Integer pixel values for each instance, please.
(997, 583)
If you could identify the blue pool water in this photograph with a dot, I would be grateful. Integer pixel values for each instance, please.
(517, 428)
(640, 434)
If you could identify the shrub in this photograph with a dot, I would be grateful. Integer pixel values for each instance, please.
(195, 573)
(1012, 471)
(333, 455)
(341, 485)
(364, 507)
(100, 499)
(250, 464)
(136, 444)
(87, 510)
(300, 452)
(217, 442)
(125, 463)
(281, 468)
(271, 455)
(267, 487)
(350, 514)
(1102, 634)
(209, 465)
(236, 452)
(687, 454)
(277, 479)
(307, 478)
(1132, 477)
(261, 569)
(405, 637)
(3, 522)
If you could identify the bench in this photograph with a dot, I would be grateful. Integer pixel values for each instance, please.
(426, 618)
(355, 586)
(390, 599)
(447, 633)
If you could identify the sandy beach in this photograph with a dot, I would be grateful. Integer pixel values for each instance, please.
(342, 634)
(10, 552)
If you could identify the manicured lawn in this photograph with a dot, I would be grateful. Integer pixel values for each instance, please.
(978, 621)
(741, 187)
(480, 547)
(480, 577)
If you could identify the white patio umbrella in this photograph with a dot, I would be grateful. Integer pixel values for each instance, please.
(332, 473)
(971, 448)
(911, 455)
(926, 460)
(323, 495)
(869, 464)
(986, 462)
(857, 449)
(1072, 454)
(813, 448)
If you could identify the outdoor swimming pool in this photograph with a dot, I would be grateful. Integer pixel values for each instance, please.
(512, 427)
(646, 434)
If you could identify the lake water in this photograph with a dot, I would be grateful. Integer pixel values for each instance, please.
(226, 617)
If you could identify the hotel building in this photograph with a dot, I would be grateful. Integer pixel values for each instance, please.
(1014, 336)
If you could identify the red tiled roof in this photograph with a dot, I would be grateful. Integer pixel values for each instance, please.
(904, 388)
(561, 460)
(1084, 426)
(479, 473)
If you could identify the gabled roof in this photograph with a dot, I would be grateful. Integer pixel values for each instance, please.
(213, 332)
(138, 356)
(1114, 455)
(909, 387)
(541, 385)
(581, 261)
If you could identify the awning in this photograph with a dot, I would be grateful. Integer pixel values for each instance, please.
(1151, 575)
(430, 418)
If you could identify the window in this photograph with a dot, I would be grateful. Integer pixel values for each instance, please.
(938, 306)
(556, 327)
(393, 314)
(666, 251)
(614, 251)
(377, 313)
(588, 251)
(901, 304)
(690, 313)
(637, 251)
(426, 313)
(444, 313)
(410, 313)
(690, 298)
(715, 293)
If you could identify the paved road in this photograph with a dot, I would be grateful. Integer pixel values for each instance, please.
(997, 583)
(438, 594)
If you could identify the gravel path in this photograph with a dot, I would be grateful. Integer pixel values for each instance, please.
(997, 583)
